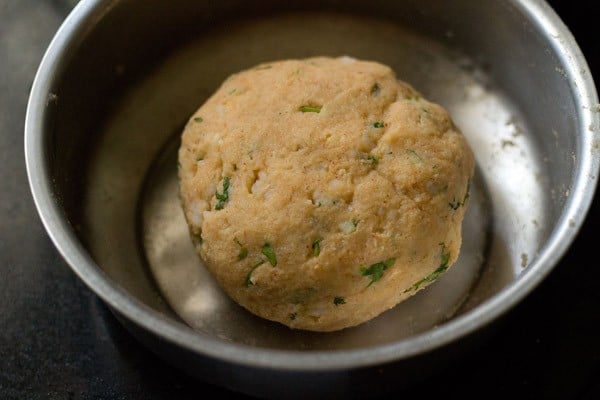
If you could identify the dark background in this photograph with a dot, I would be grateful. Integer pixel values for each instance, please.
(59, 341)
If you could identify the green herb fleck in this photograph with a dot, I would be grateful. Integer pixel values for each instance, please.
(314, 109)
(293, 316)
(444, 259)
(268, 251)
(316, 247)
(232, 91)
(378, 124)
(369, 159)
(455, 204)
(424, 116)
(223, 197)
(413, 155)
(355, 222)
(375, 89)
(375, 271)
(243, 251)
(198, 119)
(339, 300)
(468, 192)
(429, 278)
(248, 282)
(260, 67)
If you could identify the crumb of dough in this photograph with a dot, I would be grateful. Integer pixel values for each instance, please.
(322, 192)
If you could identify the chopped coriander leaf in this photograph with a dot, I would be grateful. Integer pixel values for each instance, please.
(223, 197)
(389, 262)
(198, 119)
(455, 204)
(243, 251)
(339, 300)
(268, 251)
(314, 109)
(375, 271)
(429, 278)
(413, 155)
(258, 263)
(468, 193)
(248, 281)
(316, 247)
(375, 89)
(267, 66)
(369, 159)
(293, 316)
(377, 124)
(444, 259)
(355, 222)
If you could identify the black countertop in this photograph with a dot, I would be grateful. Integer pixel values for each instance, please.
(59, 341)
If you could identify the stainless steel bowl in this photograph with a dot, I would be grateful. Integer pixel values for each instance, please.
(120, 79)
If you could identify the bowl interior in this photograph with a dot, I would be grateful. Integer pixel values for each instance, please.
(126, 88)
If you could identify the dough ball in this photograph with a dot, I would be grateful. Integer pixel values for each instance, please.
(322, 192)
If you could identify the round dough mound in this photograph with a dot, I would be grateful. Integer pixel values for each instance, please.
(322, 192)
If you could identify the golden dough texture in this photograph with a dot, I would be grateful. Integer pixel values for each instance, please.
(322, 192)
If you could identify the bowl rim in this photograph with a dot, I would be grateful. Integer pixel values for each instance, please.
(67, 38)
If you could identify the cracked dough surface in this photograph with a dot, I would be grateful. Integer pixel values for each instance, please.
(322, 192)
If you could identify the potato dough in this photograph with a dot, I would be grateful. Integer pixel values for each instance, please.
(322, 192)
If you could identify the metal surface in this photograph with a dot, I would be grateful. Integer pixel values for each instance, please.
(184, 282)
(544, 66)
